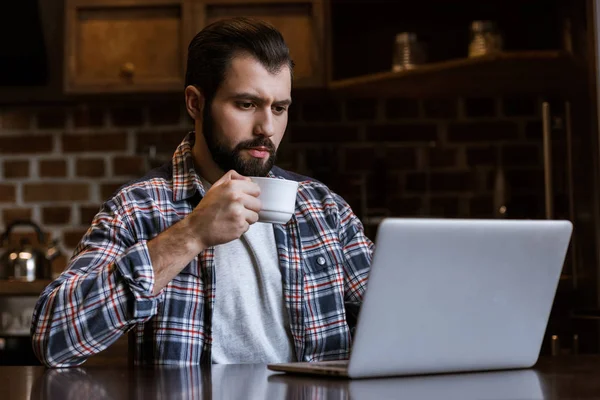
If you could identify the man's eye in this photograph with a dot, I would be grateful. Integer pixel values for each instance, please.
(279, 110)
(245, 105)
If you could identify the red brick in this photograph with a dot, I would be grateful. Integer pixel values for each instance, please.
(520, 106)
(13, 214)
(482, 131)
(481, 206)
(37, 192)
(87, 214)
(401, 108)
(346, 180)
(165, 142)
(165, 114)
(56, 215)
(15, 119)
(107, 190)
(405, 206)
(345, 184)
(8, 193)
(72, 237)
(523, 154)
(441, 182)
(480, 107)
(16, 169)
(445, 207)
(53, 168)
(51, 118)
(324, 158)
(379, 186)
(487, 155)
(440, 108)
(526, 180)
(97, 142)
(361, 109)
(403, 132)
(359, 159)
(132, 165)
(322, 110)
(15, 144)
(534, 130)
(323, 134)
(442, 157)
(528, 206)
(90, 167)
(401, 157)
(85, 117)
(127, 116)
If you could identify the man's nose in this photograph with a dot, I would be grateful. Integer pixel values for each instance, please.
(265, 124)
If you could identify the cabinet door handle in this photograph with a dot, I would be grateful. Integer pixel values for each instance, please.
(128, 70)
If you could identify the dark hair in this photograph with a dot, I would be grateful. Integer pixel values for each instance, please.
(212, 49)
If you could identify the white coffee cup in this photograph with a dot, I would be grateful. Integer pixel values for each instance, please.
(278, 198)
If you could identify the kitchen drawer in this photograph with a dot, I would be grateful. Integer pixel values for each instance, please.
(126, 45)
(302, 24)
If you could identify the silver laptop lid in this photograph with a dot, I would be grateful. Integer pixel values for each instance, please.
(449, 295)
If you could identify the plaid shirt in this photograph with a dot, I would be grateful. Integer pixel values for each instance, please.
(107, 288)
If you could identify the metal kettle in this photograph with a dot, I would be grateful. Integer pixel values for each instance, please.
(27, 262)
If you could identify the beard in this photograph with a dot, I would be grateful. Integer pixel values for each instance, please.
(231, 158)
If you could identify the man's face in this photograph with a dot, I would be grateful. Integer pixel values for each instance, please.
(245, 122)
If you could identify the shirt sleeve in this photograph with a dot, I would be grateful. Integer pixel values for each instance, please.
(105, 290)
(358, 253)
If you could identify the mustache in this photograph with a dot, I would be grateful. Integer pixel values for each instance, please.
(258, 142)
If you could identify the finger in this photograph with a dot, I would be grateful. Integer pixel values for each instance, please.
(246, 187)
(251, 217)
(251, 203)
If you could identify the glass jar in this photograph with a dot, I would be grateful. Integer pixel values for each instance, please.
(485, 39)
(408, 52)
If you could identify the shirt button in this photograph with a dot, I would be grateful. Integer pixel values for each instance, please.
(321, 260)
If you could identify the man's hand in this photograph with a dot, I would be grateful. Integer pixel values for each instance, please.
(224, 214)
(227, 210)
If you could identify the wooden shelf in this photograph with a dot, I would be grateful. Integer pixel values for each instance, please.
(23, 288)
(538, 72)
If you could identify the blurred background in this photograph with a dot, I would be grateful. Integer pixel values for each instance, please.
(463, 109)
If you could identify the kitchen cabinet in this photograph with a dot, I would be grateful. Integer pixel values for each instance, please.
(118, 46)
(125, 45)
(303, 24)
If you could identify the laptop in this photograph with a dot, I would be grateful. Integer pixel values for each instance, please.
(453, 295)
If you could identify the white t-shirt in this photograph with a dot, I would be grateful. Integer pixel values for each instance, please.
(250, 322)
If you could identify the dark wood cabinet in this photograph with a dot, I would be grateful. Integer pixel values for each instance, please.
(302, 23)
(126, 45)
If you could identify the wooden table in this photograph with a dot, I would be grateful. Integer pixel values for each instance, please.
(552, 378)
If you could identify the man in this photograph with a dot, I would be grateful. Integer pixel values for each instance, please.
(179, 257)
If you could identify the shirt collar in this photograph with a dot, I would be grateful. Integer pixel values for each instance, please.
(186, 182)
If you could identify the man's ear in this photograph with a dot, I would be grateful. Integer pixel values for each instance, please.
(194, 102)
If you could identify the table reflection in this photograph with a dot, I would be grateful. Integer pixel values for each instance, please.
(222, 382)
(508, 385)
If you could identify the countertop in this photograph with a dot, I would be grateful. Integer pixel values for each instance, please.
(552, 378)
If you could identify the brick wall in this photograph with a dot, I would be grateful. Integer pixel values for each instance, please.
(398, 157)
